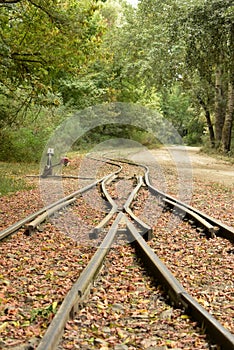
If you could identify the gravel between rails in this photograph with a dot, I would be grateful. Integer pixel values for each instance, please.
(37, 271)
(47, 257)
(203, 266)
(126, 311)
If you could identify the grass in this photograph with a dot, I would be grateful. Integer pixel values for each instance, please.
(217, 153)
(12, 177)
(11, 185)
(229, 158)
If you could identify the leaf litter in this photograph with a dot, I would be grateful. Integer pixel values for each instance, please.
(38, 272)
(125, 310)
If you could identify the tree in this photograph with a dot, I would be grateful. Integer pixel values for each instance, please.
(147, 66)
(191, 43)
(208, 29)
(41, 41)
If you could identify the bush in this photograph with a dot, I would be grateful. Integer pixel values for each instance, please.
(25, 142)
(23, 145)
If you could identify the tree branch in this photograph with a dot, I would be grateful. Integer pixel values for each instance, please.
(5, 2)
(43, 9)
(26, 57)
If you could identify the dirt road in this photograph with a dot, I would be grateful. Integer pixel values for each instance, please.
(189, 159)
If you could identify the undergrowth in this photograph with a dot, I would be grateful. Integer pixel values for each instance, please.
(11, 185)
(12, 177)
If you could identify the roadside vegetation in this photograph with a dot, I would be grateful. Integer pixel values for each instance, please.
(13, 177)
(10, 185)
(59, 57)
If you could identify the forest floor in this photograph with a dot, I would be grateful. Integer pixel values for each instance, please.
(37, 271)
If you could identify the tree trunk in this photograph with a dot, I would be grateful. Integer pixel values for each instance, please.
(208, 121)
(220, 107)
(227, 128)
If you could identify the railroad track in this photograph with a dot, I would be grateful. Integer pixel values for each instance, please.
(119, 225)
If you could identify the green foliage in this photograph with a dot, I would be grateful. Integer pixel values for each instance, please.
(11, 184)
(84, 92)
(26, 143)
(59, 57)
(147, 66)
(195, 132)
(43, 313)
(115, 132)
(22, 145)
(176, 106)
(144, 138)
(207, 29)
(40, 41)
(177, 42)
(17, 108)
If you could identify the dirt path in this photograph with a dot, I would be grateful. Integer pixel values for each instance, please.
(189, 159)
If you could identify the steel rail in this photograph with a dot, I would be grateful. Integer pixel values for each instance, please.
(200, 220)
(112, 212)
(126, 208)
(178, 294)
(114, 207)
(79, 291)
(192, 212)
(19, 224)
(39, 219)
(146, 228)
(61, 177)
(106, 161)
(213, 226)
(220, 228)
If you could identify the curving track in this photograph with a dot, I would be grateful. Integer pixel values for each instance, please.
(182, 316)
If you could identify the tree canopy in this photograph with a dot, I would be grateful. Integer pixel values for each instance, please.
(41, 41)
(57, 56)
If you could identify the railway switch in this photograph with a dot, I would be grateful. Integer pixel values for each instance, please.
(48, 170)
